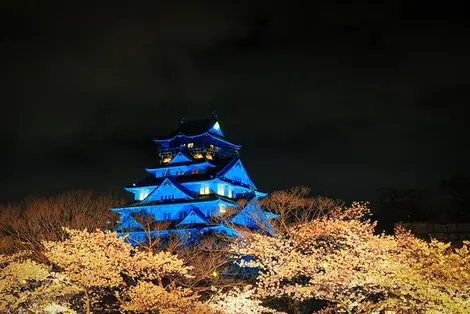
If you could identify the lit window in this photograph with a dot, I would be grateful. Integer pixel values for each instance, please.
(167, 159)
(216, 126)
(209, 156)
(222, 209)
(190, 145)
(204, 190)
(143, 195)
(220, 189)
(197, 156)
(229, 193)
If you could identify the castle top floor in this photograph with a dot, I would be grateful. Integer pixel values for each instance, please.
(201, 139)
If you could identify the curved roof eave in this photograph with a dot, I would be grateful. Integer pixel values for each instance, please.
(132, 188)
(216, 137)
(190, 202)
(167, 166)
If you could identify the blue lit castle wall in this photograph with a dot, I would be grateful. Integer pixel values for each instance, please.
(199, 177)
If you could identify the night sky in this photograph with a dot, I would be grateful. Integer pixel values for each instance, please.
(345, 99)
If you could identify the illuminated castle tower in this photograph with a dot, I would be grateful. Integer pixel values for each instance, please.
(195, 187)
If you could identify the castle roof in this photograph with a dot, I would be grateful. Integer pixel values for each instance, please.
(198, 199)
(194, 127)
(211, 173)
(195, 216)
(166, 183)
(197, 128)
(181, 158)
(199, 162)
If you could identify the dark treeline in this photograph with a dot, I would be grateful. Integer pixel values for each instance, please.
(447, 202)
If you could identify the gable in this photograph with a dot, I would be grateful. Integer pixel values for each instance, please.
(248, 219)
(253, 216)
(180, 157)
(128, 222)
(193, 217)
(169, 190)
(215, 129)
(236, 172)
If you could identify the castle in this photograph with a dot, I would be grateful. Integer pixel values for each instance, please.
(199, 186)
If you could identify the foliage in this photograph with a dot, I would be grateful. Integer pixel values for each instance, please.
(239, 301)
(146, 296)
(296, 206)
(99, 263)
(26, 224)
(27, 286)
(338, 258)
(323, 253)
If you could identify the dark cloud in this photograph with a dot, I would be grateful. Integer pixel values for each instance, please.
(343, 98)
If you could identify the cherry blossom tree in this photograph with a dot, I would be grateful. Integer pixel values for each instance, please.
(239, 300)
(101, 264)
(338, 258)
(27, 286)
(297, 205)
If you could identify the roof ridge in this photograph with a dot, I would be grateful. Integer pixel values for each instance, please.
(175, 184)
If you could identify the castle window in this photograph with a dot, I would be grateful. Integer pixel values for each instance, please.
(167, 159)
(229, 193)
(204, 190)
(190, 145)
(143, 195)
(220, 189)
(166, 216)
(197, 156)
(181, 214)
(222, 209)
(209, 156)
